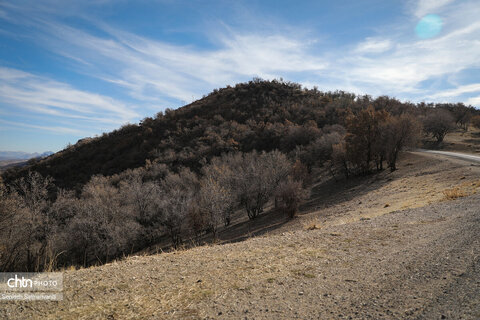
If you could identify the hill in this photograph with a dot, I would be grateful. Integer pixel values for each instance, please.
(260, 115)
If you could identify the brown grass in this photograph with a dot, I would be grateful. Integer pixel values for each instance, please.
(455, 193)
(312, 224)
(464, 190)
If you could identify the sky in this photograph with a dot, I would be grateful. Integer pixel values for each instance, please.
(73, 69)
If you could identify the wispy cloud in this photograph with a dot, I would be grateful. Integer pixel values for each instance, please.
(150, 68)
(42, 95)
(475, 87)
(399, 65)
(53, 129)
(372, 45)
(424, 7)
(153, 72)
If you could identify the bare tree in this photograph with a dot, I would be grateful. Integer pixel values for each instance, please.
(400, 132)
(340, 162)
(104, 227)
(258, 175)
(476, 121)
(438, 123)
(13, 237)
(176, 201)
(218, 189)
(216, 200)
(289, 194)
(34, 200)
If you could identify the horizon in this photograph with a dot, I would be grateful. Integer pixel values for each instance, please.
(69, 71)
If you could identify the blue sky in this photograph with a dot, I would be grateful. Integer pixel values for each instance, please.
(71, 69)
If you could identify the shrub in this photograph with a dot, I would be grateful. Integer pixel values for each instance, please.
(289, 194)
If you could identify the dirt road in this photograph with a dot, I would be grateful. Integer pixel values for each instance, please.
(459, 155)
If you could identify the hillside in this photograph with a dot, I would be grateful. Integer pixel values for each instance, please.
(260, 115)
(414, 259)
(244, 117)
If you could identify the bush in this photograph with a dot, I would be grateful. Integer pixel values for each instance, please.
(476, 121)
(289, 194)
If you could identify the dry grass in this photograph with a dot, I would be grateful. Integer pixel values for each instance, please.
(464, 190)
(312, 224)
(454, 193)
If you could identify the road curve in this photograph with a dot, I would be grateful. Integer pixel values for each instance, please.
(464, 156)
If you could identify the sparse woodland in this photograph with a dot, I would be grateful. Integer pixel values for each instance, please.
(185, 172)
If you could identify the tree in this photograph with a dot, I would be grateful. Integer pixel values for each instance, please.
(476, 121)
(289, 194)
(176, 201)
(34, 200)
(13, 240)
(217, 196)
(258, 176)
(462, 115)
(340, 162)
(438, 123)
(399, 133)
(104, 226)
(363, 142)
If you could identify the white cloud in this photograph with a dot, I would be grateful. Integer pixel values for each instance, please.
(409, 64)
(54, 129)
(475, 87)
(150, 69)
(373, 45)
(474, 101)
(153, 72)
(424, 7)
(41, 95)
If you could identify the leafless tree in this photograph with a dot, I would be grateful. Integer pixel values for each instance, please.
(289, 194)
(400, 132)
(476, 121)
(103, 227)
(34, 200)
(12, 234)
(438, 123)
(176, 202)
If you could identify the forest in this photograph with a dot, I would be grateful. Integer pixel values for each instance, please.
(183, 173)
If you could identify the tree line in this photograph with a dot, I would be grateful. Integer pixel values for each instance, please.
(121, 214)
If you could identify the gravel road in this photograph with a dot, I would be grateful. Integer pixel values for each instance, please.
(459, 155)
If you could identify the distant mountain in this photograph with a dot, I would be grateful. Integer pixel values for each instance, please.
(19, 155)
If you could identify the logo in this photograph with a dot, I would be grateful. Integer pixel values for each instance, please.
(19, 283)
